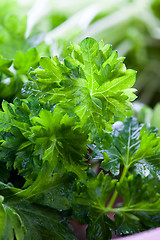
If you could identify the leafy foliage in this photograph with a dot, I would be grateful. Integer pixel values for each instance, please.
(133, 144)
(51, 137)
(25, 220)
(11, 223)
(141, 209)
(91, 198)
(92, 83)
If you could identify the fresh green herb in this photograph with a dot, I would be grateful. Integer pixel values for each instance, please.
(52, 138)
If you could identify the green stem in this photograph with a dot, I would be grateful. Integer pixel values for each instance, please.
(115, 194)
(117, 210)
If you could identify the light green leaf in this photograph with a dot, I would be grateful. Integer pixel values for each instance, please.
(23, 61)
(93, 84)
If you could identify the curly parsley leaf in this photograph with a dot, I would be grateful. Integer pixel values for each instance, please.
(32, 135)
(92, 82)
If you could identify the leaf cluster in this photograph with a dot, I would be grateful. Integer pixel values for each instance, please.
(92, 83)
(53, 137)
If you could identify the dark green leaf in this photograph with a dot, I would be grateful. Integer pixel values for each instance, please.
(28, 221)
(128, 223)
(11, 224)
(133, 145)
(141, 207)
(97, 191)
(100, 226)
(91, 200)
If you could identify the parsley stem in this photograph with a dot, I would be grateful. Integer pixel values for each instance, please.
(115, 194)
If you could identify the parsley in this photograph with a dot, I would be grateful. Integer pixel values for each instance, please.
(69, 112)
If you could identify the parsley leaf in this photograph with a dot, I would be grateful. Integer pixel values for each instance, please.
(140, 210)
(92, 82)
(133, 145)
(32, 140)
(92, 197)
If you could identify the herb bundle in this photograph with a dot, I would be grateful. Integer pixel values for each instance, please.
(71, 115)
